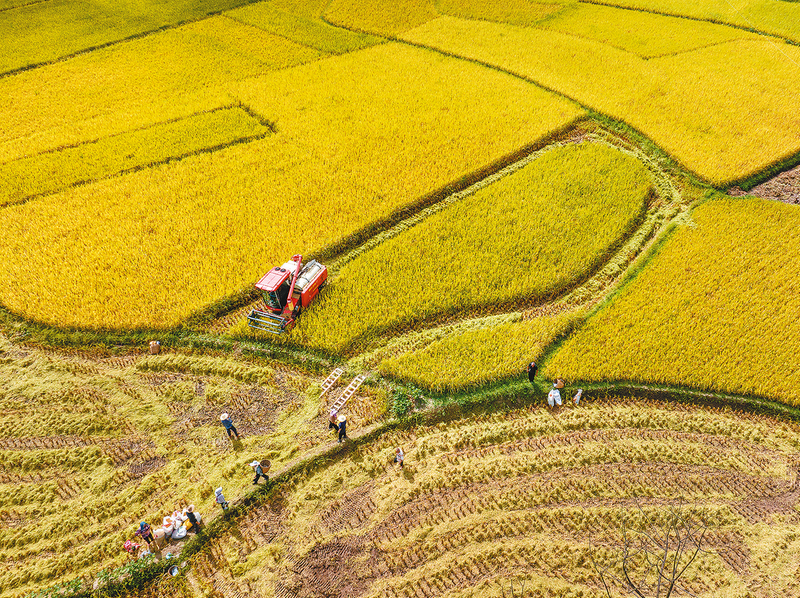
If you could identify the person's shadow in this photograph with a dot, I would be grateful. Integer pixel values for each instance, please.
(408, 474)
(238, 447)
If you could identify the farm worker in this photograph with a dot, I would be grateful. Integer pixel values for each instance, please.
(228, 423)
(221, 499)
(554, 396)
(259, 472)
(532, 369)
(131, 547)
(144, 532)
(342, 428)
(332, 425)
(192, 517)
(577, 398)
(399, 456)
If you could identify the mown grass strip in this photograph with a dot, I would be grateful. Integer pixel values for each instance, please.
(54, 171)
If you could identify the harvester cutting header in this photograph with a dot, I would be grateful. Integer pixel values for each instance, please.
(287, 290)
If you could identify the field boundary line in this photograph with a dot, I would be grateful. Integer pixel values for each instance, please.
(750, 29)
(586, 293)
(132, 169)
(168, 121)
(25, 5)
(121, 40)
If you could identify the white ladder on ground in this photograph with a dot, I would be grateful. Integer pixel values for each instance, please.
(331, 380)
(349, 391)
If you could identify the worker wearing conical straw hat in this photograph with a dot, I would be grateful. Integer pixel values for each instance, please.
(342, 428)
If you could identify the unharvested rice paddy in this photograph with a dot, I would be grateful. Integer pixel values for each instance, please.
(716, 309)
(777, 17)
(36, 32)
(526, 496)
(480, 356)
(724, 111)
(491, 182)
(180, 236)
(528, 236)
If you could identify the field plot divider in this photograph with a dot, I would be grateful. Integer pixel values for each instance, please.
(411, 221)
(615, 271)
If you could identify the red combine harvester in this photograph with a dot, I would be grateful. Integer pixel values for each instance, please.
(287, 291)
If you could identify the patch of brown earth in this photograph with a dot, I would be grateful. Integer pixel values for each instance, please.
(784, 187)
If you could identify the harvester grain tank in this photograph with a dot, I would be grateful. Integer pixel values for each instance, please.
(287, 290)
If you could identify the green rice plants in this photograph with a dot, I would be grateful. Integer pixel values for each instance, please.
(480, 356)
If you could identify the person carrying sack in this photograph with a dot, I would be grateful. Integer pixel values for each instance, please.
(259, 472)
(554, 396)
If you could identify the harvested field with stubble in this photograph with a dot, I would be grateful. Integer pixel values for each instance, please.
(528, 495)
(93, 445)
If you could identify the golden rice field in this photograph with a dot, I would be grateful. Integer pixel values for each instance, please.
(38, 32)
(716, 309)
(479, 356)
(776, 17)
(49, 172)
(525, 237)
(168, 75)
(329, 171)
(528, 495)
(91, 446)
(723, 110)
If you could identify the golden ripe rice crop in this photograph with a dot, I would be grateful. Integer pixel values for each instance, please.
(644, 34)
(53, 171)
(377, 16)
(775, 17)
(306, 30)
(715, 309)
(45, 31)
(527, 236)
(515, 12)
(168, 75)
(529, 496)
(180, 236)
(479, 356)
(725, 111)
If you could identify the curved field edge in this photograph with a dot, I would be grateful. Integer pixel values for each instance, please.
(524, 239)
(500, 400)
(630, 258)
(234, 239)
(722, 270)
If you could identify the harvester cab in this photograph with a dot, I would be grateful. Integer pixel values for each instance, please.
(287, 290)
